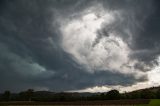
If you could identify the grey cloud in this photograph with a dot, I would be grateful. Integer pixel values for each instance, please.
(30, 51)
(138, 28)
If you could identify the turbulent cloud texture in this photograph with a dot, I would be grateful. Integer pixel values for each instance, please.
(71, 45)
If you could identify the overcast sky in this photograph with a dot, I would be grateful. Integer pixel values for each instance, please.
(79, 45)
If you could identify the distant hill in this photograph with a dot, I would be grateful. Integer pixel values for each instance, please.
(151, 89)
(31, 95)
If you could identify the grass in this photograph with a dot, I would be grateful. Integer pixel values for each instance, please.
(154, 102)
(142, 105)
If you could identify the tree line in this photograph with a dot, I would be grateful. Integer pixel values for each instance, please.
(31, 95)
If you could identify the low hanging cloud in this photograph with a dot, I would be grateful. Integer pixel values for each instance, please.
(78, 44)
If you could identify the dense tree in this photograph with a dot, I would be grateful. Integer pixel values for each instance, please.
(113, 94)
(29, 94)
(26, 95)
(158, 94)
(147, 94)
(102, 96)
(6, 95)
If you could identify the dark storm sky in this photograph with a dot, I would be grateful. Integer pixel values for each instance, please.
(31, 52)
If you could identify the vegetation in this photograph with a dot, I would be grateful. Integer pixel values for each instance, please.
(79, 103)
(45, 96)
(26, 95)
(154, 102)
(6, 96)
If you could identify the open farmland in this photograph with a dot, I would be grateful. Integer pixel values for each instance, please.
(80, 103)
(154, 102)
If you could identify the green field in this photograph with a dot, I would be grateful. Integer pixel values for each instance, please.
(154, 102)
(132, 102)
(136, 102)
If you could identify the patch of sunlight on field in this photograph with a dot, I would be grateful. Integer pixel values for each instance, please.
(141, 105)
(154, 102)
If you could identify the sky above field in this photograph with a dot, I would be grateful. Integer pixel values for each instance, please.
(79, 45)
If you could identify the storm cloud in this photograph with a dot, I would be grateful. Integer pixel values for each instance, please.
(66, 45)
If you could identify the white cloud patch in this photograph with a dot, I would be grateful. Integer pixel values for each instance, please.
(140, 85)
(83, 39)
(153, 81)
(154, 75)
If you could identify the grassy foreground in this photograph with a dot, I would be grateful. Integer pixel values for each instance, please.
(153, 102)
(80, 103)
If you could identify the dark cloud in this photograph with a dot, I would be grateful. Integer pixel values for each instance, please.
(146, 44)
(31, 54)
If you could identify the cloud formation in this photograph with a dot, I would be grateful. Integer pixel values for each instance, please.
(71, 45)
